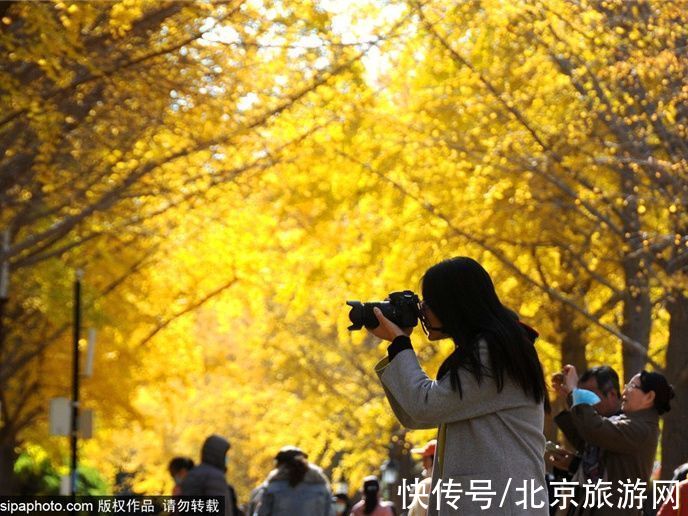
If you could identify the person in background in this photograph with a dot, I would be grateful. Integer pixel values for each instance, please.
(628, 442)
(681, 472)
(585, 464)
(427, 456)
(251, 508)
(342, 504)
(294, 487)
(673, 506)
(178, 469)
(371, 504)
(208, 478)
(421, 496)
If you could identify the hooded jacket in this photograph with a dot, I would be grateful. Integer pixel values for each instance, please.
(208, 478)
(311, 497)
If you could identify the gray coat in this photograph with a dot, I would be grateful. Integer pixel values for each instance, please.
(311, 497)
(483, 435)
(208, 478)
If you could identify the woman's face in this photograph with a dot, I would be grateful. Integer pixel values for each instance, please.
(432, 324)
(634, 399)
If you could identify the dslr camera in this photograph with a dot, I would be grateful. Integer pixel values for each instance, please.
(402, 308)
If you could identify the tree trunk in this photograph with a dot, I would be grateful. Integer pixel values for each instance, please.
(674, 436)
(401, 457)
(572, 339)
(637, 308)
(637, 316)
(8, 456)
(572, 352)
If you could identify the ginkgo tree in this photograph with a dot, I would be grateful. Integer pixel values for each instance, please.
(136, 113)
(228, 174)
(567, 119)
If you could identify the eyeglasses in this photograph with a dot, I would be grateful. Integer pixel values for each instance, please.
(422, 307)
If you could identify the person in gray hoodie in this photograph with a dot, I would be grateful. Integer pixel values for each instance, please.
(295, 487)
(208, 478)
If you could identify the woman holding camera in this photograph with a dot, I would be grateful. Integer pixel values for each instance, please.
(488, 399)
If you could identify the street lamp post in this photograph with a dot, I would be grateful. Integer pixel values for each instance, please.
(75, 381)
(4, 282)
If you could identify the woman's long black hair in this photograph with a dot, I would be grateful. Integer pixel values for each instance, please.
(461, 294)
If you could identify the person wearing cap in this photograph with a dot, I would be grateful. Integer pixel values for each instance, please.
(371, 504)
(208, 478)
(295, 486)
(342, 504)
(427, 456)
(421, 495)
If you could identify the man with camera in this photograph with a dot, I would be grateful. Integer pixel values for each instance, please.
(604, 382)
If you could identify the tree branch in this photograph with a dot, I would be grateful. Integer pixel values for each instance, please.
(507, 262)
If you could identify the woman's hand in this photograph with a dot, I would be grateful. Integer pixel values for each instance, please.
(387, 330)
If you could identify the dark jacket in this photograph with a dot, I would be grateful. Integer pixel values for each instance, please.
(311, 497)
(628, 443)
(588, 458)
(208, 478)
(564, 421)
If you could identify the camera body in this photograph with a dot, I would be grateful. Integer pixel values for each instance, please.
(551, 447)
(402, 308)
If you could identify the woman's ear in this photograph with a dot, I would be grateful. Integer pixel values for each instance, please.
(650, 397)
